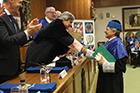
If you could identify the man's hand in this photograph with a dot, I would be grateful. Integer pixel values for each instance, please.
(89, 53)
(33, 27)
(71, 29)
(98, 57)
(101, 59)
(83, 50)
(2, 9)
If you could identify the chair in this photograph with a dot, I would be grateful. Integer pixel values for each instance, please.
(127, 37)
(137, 35)
(100, 43)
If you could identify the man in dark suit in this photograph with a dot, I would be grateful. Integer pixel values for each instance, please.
(53, 40)
(11, 38)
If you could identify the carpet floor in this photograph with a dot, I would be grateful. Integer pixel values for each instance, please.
(132, 79)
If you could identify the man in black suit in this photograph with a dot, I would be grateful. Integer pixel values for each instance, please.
(11, 38)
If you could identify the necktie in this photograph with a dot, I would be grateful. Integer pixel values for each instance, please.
(12, 19)
(106, 44)
(14, 25)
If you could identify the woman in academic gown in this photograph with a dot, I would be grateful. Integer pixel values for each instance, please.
(110, 77)
(130, 42)
(53, 40)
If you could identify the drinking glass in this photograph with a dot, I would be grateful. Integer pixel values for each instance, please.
(48, 69)
(14, 89)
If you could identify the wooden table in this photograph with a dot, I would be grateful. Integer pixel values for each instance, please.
(72, 83)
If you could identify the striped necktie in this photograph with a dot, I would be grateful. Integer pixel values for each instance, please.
(106, 44)
(12, 19)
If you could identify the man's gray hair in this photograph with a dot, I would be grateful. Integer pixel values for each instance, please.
(67, 16)
(48, 9)
(58, 12)
(117, 31)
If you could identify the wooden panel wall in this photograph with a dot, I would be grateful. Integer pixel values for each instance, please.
(107, 3)
(80, 8)
(38, 8)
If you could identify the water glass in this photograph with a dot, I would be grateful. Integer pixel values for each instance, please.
(14, 90)
(48, 69)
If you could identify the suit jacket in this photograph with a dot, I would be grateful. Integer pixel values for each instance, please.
(51, 41)
(44, 22)
(9, 46)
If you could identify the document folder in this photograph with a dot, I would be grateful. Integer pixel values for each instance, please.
(105, 53)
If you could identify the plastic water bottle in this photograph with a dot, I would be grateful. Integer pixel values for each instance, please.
(43, 76)
(71, 58)
(23, 88)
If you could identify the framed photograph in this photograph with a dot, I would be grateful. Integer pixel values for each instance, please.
(131, 19)
(107, 15)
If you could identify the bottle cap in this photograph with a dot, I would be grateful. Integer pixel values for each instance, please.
(22, 80)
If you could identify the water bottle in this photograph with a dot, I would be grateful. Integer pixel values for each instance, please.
(71, 58)
(23, 88)
(43, 76)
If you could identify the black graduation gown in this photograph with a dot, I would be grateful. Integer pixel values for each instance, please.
(112, 82)
(52, 40)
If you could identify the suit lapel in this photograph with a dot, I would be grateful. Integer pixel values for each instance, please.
(16, 25)
(9, 23)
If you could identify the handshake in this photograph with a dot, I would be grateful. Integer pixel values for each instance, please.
(89, 54)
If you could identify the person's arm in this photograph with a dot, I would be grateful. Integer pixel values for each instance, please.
(132, 49)
(89, 53)
(33, 27)
(138, 48)
(108, 67)
(2, 10)
(8, 38)
(131, 42)
(113, 67)
(78, 47)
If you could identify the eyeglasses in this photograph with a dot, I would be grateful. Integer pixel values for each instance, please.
(51, 12)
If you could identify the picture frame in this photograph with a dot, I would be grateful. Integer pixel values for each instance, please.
(87, 28)
(131, 19)
(107, 15)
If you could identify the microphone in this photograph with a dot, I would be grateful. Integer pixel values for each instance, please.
(35, 63)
